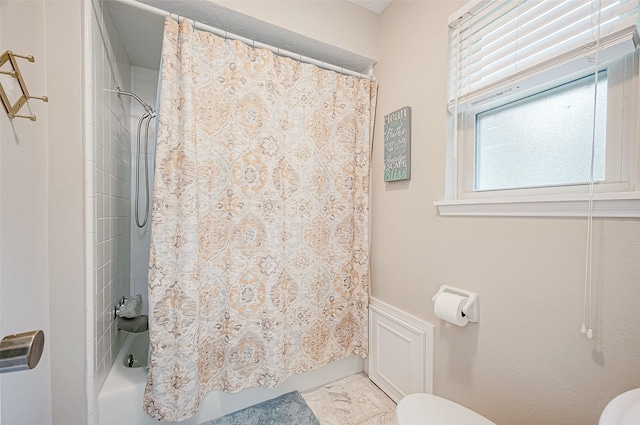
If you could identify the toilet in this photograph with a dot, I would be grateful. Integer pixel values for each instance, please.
(429, 409)
(622, 410)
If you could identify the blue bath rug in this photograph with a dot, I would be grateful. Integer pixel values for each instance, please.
(288, 409)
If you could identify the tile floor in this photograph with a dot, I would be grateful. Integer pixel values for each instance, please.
(354, 400)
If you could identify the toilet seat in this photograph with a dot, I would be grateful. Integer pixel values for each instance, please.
(429, 409)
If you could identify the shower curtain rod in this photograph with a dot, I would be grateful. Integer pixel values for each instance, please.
(247, 41)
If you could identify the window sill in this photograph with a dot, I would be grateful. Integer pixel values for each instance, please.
(618, 205)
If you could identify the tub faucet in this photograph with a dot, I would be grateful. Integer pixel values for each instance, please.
(127, 313)
(136, 324)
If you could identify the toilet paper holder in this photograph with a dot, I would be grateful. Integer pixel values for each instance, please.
(471, 309)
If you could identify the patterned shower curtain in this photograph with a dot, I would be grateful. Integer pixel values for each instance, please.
(259, 255)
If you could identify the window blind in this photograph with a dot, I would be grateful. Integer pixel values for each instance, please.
(497, 45)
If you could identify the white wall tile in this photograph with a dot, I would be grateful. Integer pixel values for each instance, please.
(144, 83)
(107, 176)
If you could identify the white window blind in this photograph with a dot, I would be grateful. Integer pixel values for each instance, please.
(498, 46)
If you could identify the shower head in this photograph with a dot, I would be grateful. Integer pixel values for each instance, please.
(146, 107)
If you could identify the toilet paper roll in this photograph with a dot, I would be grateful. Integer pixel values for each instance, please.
(448, 307)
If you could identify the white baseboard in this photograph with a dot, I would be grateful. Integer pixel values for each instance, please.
(400, 351)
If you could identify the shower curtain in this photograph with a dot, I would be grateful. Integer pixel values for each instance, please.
(259, 256)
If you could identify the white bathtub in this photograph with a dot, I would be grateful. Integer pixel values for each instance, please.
(120, 398)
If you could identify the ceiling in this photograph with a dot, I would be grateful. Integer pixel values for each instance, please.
(376, 6)
(141, 30)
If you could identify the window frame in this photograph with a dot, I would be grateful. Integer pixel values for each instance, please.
(609, 167)
(617, 198)
(616, 176)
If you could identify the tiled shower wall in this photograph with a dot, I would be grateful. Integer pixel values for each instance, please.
(108, 191)
(144, 82)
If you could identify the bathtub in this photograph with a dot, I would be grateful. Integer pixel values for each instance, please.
(120, 398)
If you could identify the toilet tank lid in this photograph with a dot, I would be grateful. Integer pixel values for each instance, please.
(429, 409)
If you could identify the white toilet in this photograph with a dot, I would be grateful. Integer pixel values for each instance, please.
(622, 410)
(429, 409)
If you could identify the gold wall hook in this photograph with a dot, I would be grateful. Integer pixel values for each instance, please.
(27, 57)
(12, 109)
(31, 117)
(42, 98)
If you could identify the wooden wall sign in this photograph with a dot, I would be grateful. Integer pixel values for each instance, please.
(397, 145)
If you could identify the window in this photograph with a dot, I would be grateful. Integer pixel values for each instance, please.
(542, 140)
(536, 88)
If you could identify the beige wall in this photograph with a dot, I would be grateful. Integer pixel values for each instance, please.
(24, 282)
(338, 23)
(63, 34)
(41, 214)
(526, 361)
